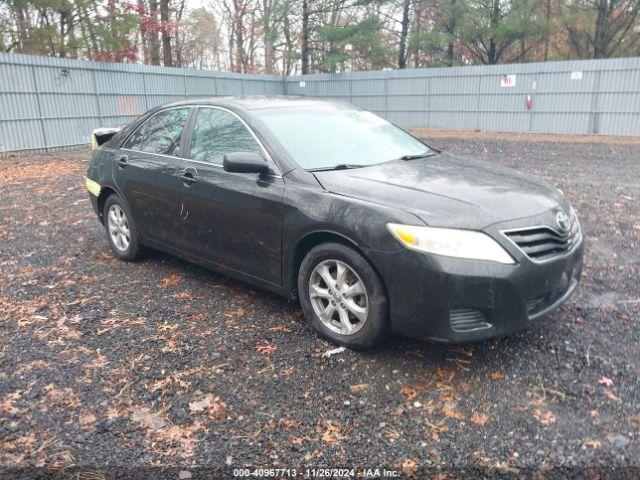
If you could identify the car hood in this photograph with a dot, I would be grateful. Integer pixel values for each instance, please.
(447, 190)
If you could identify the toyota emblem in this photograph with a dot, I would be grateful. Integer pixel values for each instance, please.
(563, 222)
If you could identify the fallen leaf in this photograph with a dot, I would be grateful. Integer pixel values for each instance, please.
(149, 419)
(87, 418)
(200, 405)
(607, 382)
(409, 466)
(209, 403)
(611, 396)
(545, 418)
(409, 392)
(479, 418)
(170, 280)
(592, 443)
(451, 413)
(265, 348)
(359, 387)
(279, 328)
(332, 435)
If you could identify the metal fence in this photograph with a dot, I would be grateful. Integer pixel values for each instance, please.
(50, 102)
(577, 97)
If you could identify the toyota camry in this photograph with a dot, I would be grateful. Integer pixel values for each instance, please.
(371, 229)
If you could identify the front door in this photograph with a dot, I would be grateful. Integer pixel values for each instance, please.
(145, 172)
(233, 219)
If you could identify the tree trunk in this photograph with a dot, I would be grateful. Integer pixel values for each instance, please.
(415, 30)
(239, 35)
(599, 40)
(492, 54)
(451, 28)
(546, 37)
(304, 53)
(166, 33)
(154, 44)
(268, 37)
(402, 50)
(287, 63)
(143, 34)
(22, 30)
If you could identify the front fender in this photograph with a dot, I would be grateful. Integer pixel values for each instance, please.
(325, 215)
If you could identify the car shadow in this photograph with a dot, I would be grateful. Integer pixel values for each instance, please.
(500, 351)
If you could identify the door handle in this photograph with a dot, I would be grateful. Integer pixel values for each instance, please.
(187, 178)
(123, 161)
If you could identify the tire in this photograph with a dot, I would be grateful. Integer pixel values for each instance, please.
(352, 333)
(121, 230)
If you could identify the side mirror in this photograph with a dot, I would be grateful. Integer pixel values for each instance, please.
(245, 162)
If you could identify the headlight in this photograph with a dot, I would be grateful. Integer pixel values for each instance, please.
(450, 242)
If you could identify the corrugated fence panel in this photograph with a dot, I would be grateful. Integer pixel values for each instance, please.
(577, 97)
(49, 102)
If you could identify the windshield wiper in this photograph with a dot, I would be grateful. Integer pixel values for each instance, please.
(340, 166)
(428, 153)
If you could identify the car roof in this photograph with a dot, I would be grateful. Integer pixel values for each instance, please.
(254, 102)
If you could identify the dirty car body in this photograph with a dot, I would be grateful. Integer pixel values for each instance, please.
(397, 214)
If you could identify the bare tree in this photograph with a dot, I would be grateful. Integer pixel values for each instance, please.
(165, 29)
(404, 32)
(601, 28)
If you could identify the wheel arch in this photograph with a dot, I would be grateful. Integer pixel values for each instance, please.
(311, 240)
(105, 192)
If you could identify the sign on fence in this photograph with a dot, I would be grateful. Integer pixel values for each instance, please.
(508, 81)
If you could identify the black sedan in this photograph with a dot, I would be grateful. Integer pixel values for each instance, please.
(371, 229)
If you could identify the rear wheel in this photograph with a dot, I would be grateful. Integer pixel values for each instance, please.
(343, 297)
(121, 230)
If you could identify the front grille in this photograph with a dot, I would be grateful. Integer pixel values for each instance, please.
(545, 243)
(467, 319)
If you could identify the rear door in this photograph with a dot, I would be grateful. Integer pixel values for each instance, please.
(146, 173)
(233, 219)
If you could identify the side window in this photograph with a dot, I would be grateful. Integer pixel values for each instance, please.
(161, 133)
(218, 132)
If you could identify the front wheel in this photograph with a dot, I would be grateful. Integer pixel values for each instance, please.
(343, 297)
(121, 230)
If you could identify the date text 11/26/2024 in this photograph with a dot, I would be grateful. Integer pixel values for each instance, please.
(315, 473)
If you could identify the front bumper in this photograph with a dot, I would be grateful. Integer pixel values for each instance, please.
(456, 300)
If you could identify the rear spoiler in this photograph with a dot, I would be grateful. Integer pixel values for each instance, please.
(102, 135)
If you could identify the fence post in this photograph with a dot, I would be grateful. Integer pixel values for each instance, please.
(478, 93)
(594, 127)
(184, 82)
(533, 100)
(96, 96)
(40, 116)
(427, 116)
(386, 93)
(144, 92)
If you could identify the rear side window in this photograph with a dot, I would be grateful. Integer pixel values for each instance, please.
(216, 133)
(161, 133)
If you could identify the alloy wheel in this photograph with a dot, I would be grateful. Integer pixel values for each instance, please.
(118, 227)
(338, 297)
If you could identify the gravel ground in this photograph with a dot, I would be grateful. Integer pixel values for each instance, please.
(111, 368)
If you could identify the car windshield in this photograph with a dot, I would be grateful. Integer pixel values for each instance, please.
(329, 136)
